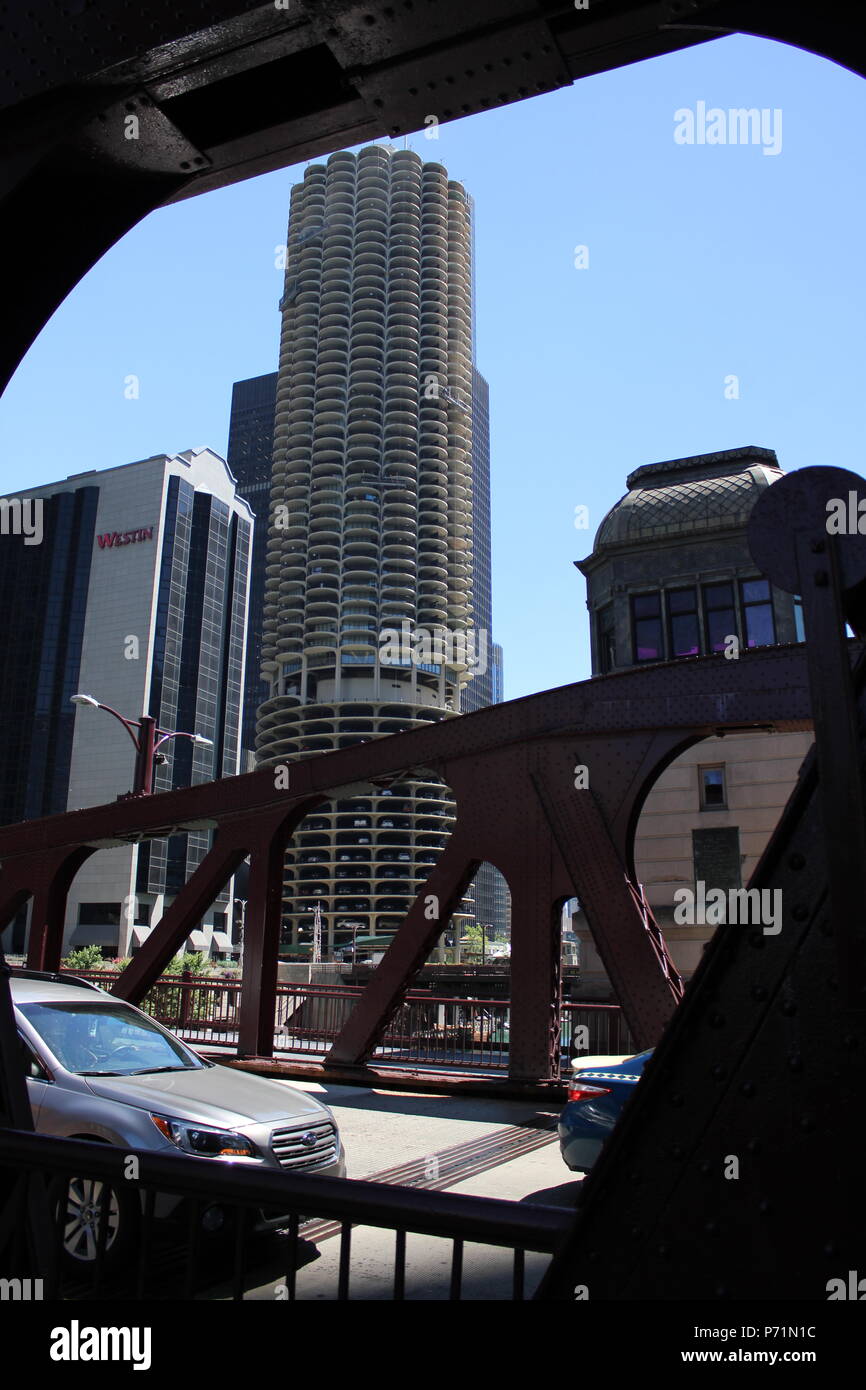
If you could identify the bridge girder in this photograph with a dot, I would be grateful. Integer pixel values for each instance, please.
(511, 769)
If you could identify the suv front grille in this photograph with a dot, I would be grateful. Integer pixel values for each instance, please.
(292, 1152)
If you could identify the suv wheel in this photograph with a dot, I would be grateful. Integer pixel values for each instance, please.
(81, 1221)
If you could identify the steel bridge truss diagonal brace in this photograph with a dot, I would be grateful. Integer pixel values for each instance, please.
(15, 889)
(536, 945)
(420, 931)
(648, 755)
(263, 835)
(262, 934)
(839, 755)
(795, 546)
(763, 1060)
(47, 879)
(182, 917)
(613, 914)
(49, 910)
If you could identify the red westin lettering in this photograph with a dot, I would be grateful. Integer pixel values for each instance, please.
(113, 538)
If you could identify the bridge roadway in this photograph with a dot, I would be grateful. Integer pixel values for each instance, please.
(485, 1147)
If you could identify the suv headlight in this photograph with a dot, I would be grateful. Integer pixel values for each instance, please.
(204, 1141)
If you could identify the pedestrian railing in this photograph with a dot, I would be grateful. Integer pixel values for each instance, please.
(427, 1032)
(178, 1258)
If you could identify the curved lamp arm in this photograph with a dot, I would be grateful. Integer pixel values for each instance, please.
(128, 724)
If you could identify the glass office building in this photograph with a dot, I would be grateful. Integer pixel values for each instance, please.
(489, 892)
(43, 603)
(136, 595)
(250, 452)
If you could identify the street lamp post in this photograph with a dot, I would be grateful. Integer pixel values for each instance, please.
(147, 742)
(242, 904)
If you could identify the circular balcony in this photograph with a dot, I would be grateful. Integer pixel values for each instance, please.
(371, 234)
(395, 609)
(291, 568)
(397, 547)
(359, 509)
(394, 589)
(429, 493)
(358, 569)
(402, 377)
(325, 512)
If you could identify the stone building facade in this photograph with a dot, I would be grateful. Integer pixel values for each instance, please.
(670, 577)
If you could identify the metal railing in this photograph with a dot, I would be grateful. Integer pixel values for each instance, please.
(201, 1011)
(196, 1266)
(606, 1030)
(428, 1031)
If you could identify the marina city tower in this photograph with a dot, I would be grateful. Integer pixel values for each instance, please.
(368, 598)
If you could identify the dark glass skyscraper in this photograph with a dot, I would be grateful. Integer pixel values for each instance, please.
(136, 594)
(250, 451)
(197, 662)
(43, 599)
(489, 891)
(479, 691)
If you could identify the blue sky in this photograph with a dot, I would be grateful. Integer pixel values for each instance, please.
(705, 261)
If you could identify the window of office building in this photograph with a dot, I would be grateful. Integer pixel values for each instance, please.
(99, 914)
(760, 629)
(606, 639)
(799, 625)
(713, 790)
(684, 629)
(716, 857)
(720, 615)
(646, 613)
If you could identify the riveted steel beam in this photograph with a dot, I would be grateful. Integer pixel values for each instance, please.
(511, 771)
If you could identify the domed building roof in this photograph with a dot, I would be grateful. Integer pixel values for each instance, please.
(708, 492)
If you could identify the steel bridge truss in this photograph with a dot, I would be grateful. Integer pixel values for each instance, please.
(743, 1135)
(513, 770)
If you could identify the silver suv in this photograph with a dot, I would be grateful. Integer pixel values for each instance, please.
(97, 1068)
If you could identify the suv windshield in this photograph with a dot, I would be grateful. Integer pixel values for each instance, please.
(96, 1039)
